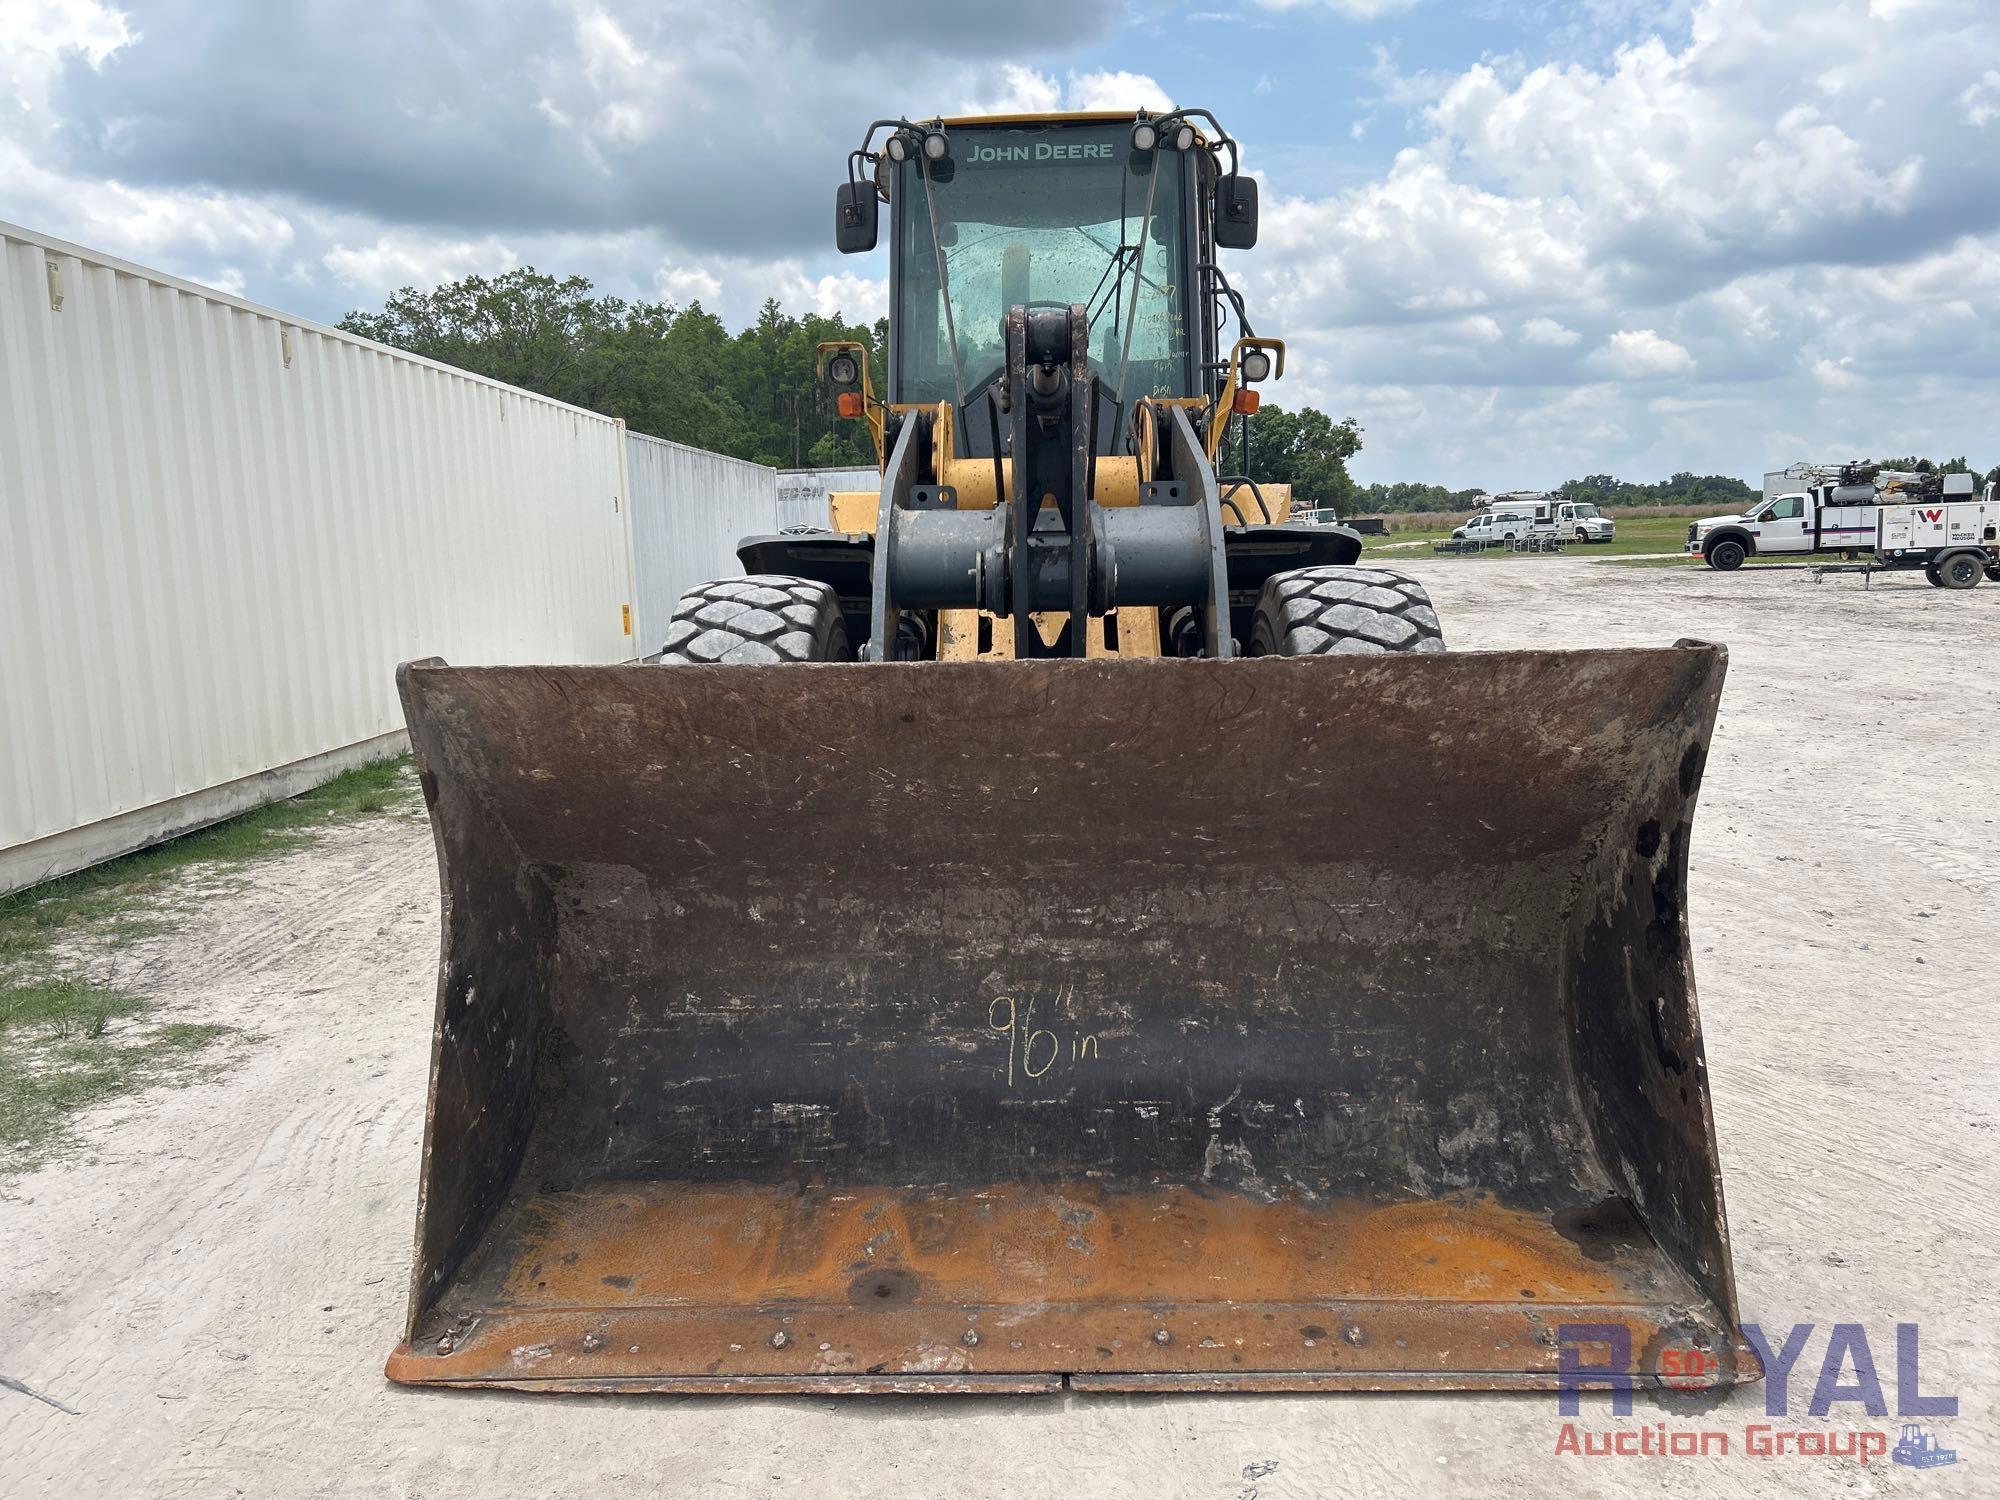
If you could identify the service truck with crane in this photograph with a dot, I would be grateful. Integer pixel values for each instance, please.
(1836, 508)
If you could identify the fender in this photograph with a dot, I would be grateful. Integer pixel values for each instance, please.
(1734, 533)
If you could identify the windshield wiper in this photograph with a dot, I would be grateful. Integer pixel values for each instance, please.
(944, 281)
(1138, 275)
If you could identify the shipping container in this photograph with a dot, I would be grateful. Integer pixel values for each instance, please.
(802, 492)
(690, 508)
(221, 528)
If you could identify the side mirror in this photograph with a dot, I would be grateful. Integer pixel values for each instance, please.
(854, 217)
(1236, 212)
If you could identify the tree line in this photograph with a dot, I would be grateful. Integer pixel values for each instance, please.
(671, 372)
(679, 373)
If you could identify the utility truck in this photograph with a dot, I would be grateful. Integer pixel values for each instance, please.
(1524, 513)
(1836, 508)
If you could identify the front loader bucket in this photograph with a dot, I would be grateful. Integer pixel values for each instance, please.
(1273, 1024)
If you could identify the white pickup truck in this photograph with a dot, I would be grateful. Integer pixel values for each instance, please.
(1834, 516)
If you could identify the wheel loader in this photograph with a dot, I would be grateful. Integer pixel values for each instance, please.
(1065, 923)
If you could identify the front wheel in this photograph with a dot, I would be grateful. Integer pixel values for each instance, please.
(1344, 611)
(761, 619)
(1726, 557)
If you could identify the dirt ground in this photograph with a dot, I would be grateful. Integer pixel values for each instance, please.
(214, 1289)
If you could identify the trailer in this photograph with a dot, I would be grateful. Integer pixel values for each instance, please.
(1955, 544)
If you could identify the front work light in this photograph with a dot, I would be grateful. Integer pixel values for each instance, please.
(898, 147)
(1144, 136)
(936, 147)
(843, 369)
(1255, 366)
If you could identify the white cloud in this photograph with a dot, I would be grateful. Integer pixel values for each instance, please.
(860, 299)
(1981, 100)
(1106, 90)
(1415, 245)
(1022, 91)
(1016, 89)
(1641, 354)
(38, 36)
(681, 285)
(1548, 333)
(735, 288)
(1837, 374)
(397, 259)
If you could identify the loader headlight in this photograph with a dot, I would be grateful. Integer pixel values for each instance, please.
(898, 147)
(1144, 136)
(843, 369)
(1255, 366)
(1182, 137)
(936, 147)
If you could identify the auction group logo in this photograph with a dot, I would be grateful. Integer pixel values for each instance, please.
(1690, 1370)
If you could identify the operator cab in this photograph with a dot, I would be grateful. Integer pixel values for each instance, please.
(1118, 213)
(1061, 214)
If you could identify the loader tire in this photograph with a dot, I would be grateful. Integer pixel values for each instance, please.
(1338, 611)
(764, 618)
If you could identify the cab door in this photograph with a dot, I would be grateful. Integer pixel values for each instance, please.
(1781, 525)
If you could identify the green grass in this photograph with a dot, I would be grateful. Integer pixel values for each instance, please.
(68, 1040)
(1636, 534)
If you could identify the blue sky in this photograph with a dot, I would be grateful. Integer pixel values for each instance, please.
(1519, 240)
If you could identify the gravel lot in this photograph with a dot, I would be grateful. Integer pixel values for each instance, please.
(215, 1288)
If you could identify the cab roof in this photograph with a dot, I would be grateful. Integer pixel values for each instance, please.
(1048, 117)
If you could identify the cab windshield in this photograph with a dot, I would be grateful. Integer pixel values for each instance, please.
(1585, 512)
(1067, 214)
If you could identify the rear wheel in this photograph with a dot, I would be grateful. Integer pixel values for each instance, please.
(1961, 571)
(1339, 611)
(1726, 557)
(763, 618)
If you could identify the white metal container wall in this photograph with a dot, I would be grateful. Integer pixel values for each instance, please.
(802, 492)
(222, 528)
(690, 508)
